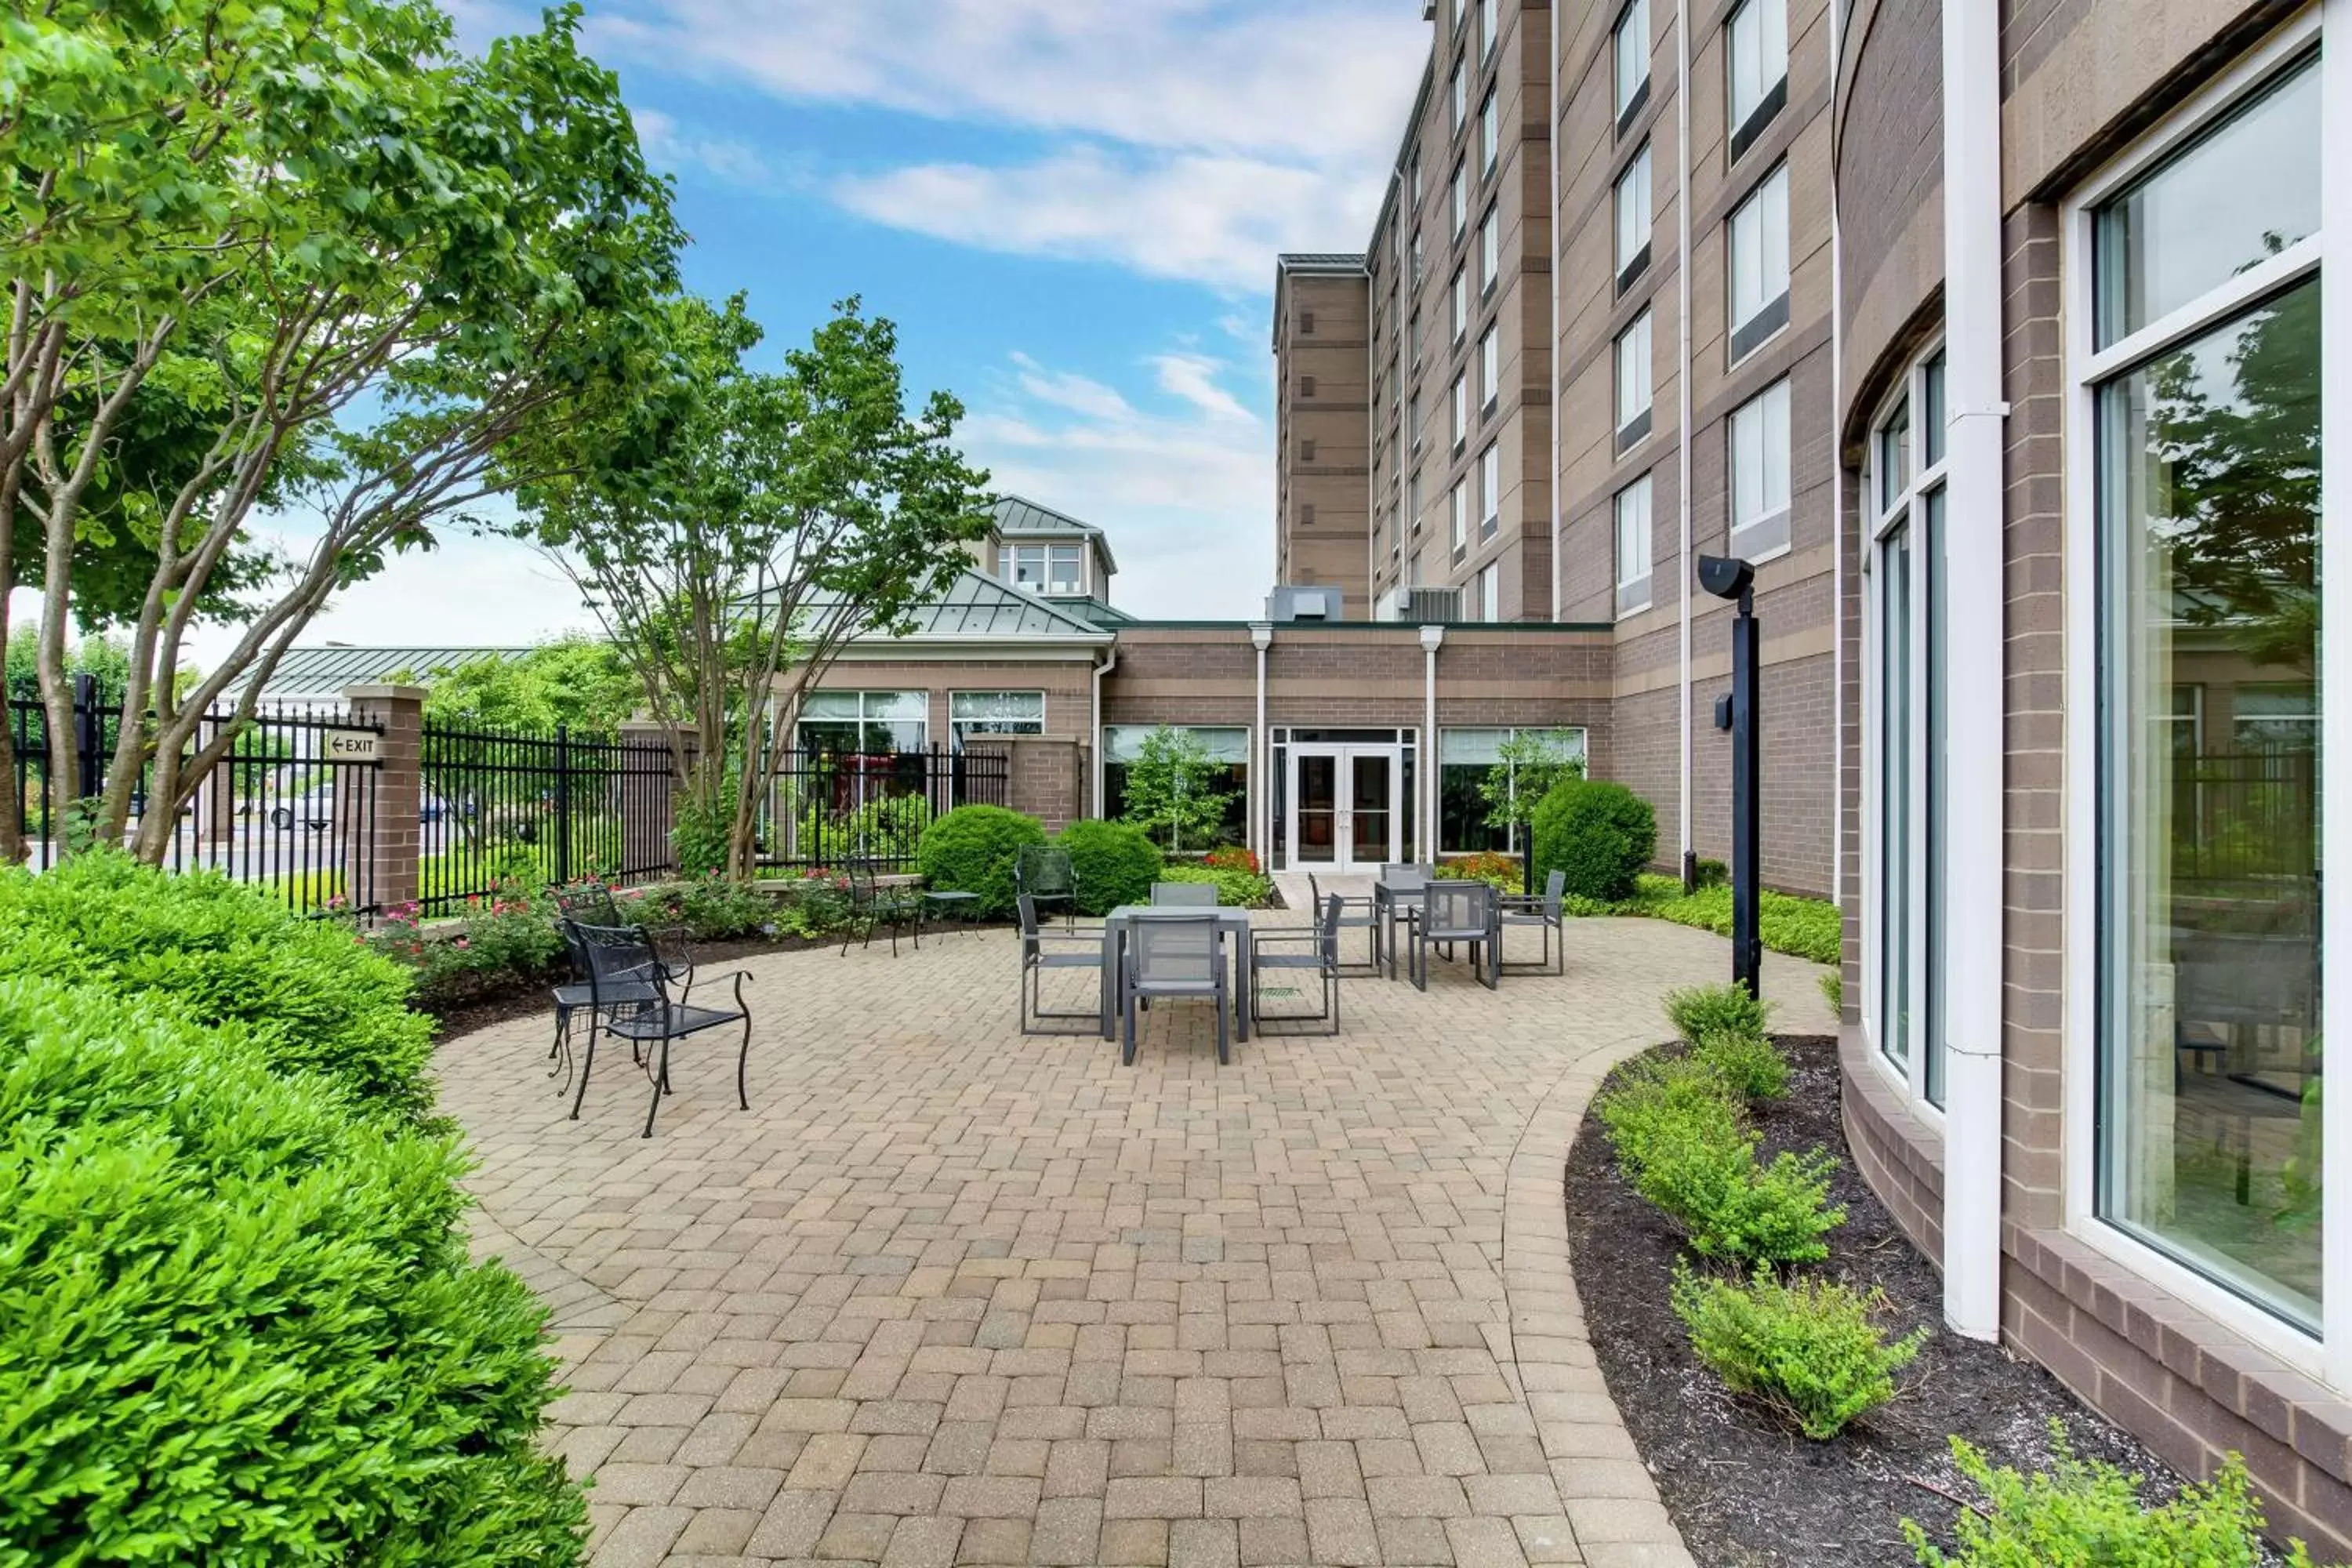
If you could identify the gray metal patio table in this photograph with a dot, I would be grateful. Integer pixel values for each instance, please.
(1235, 924)
(1395, 900)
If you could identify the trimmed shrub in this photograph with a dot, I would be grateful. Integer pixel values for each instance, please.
(1502, 871)
(972, 850)
(237, 1323)
(1810, 1349)
(1113, 863)
(2088, 1514)
(306, 995)
(1725, 1009)
(1750, 1065)
(1601, 833)
(1238, 889)
(1683, 1144)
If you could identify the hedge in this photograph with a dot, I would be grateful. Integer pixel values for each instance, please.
(305, 993)
(1112, 862)
(1601, 833)
(972, 850)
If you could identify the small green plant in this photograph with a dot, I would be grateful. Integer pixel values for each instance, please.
(2088, 1514)
(698, 836)
(1235, 889)
(1113, 863)
(972, 850)
(1833, 984)
(1726, 1009)
(1707, 873)
(1751, 1065)
(1812, 1349)
(1683, 1144)
(1599, 833)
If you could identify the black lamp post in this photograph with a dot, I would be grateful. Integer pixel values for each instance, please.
(1727, 577)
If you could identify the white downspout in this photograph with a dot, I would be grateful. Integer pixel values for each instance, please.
(1425, 807)
(1974, 624)
(1837, 509)
(1551, 324)
(1104, 668)
(1260, 774)
(1682, 389)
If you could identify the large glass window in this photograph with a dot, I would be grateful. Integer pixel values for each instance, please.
(1633, 522)
(1490, 249)
(1461, 426)
(1490, 368)
(1461, 199)
(1633, 220)
(1634, 381)
(1490, 135)
(2208, 529)
(972, 713)
(1628, 49)
(1229, 749)
(1758, 34)
(1467, 759)
(842, 723)
(1490, 491)
(1461, 534)
(1045, 568)
(1760, 472)
(1461, 302)
(1758, 240)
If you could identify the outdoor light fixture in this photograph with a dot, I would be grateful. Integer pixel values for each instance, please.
(1728, 577)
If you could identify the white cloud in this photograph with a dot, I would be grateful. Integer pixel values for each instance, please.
(668, 146)
(1192, 377)
(1206, 218)
(1069, 390)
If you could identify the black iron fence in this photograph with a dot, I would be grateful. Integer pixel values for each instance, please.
(502, 806)
(292, 807)
(828, 809)
(2246, 814)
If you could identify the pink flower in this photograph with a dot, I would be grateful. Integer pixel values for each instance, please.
(460, 942)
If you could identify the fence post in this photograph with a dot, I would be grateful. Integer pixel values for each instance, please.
(90, 738)
(380, 866)
(646, 823)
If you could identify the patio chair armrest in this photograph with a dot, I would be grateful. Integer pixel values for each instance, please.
(1272, 938)
(1072, 939)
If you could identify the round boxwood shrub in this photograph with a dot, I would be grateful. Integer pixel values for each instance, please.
(972, 850)
(237, 1323)
(1601, 833)
(1114, 864)
(216, 953)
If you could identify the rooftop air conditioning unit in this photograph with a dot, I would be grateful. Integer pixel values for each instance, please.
(1303, 605)
(1422, 605)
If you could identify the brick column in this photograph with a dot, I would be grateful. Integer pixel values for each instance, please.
(648, 796)
(380, 866)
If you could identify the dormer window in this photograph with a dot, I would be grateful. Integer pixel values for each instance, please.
(1045, 568)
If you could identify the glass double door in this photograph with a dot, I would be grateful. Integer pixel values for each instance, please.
(1345, 806)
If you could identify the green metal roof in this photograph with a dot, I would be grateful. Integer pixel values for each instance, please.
(974, 607)
(1019, 517)
(327, 670)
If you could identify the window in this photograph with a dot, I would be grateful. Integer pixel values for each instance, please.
(1634, 381)
(1461, 200)
(1419, 256)
(1490, 135)
(1760, 473)
(1490, 491)
(1228, 748)
(1490, 591)
(1460, 427)
(1903, 559)
(1413, 337)
(2204, 388)
(1468, 761)
(1045, 568)
(1306, 514)
(1460, 536)
(1416, 186)
(1306, 386)
(1412, 499)
(1412, 418)
(1487, 30)
(1634, 219)
(871, 723)
(1634, 546)
(1758, 53)
(1460, 90)
(1490, 369)
(1306, 323)
(1490, 249)
(1628, 49)
(974, 713)
(1461, 302)
(1758, 239)
(1306, 451)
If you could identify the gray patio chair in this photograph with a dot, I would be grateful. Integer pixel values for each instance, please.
(1042, 950)
(1356, 912)
(871, 904)
(1544, 911)
(1458, 912)
(620, 965)
(1184, 895)
(1314, 950)
(1048, 877)
(1170, 957)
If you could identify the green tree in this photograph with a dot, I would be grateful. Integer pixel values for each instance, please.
(363, 258)
(1527, 765)
(786, 514)
(1172, 787)
(581, 683)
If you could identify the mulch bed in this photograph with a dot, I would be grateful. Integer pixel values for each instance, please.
(1748, 1492)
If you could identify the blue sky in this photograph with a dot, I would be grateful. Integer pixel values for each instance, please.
(1070, 207)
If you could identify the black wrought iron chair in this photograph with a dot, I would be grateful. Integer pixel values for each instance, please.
(1171, 956)
(872, 903)
(1314, 950)
(1356, 912)
(1458, 912)
(1049, 878)
(1545, 911)
(593, 904)
(1184, 895)
(621, 963)
(1042, 950)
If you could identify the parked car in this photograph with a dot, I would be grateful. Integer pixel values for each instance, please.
(316, 808)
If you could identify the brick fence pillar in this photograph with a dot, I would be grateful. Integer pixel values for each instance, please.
(381, 865)
(647, 791)
(1047, 776)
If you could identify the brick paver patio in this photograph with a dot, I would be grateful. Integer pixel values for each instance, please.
(947, 1295)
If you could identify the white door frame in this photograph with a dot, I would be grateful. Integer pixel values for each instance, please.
(1345, 859)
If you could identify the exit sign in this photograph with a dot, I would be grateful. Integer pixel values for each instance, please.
(352, 746)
